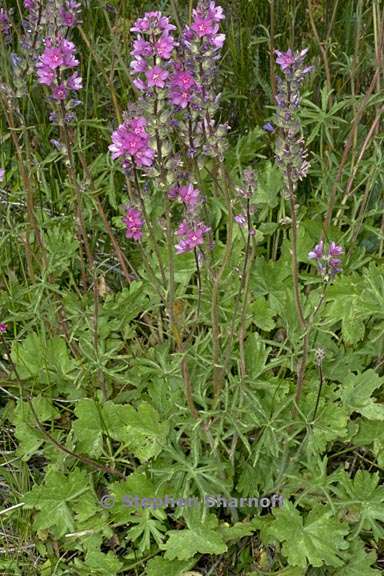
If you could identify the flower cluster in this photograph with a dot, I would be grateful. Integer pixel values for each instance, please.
(175, 79)
(191, 235)
(327, 263)
(3, 328)
(134, 223)
(69, 13)
(151, 50)
(182, 87)
(5, 27)
(55, 69)
(243, 202)
(291, 155)
(2, 174)
(205, 26)
(47, 18)
(192, 86)
(131, 141)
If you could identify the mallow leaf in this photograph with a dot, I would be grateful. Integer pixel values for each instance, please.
(316, 540)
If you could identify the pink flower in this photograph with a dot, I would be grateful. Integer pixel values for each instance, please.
(191, 236)
(189, 195)
(317, 252)
(142, 48)
(164, 46)
(156, 77)
(153, 22)
(75, 82)
(52, 58)
(289, 59)
(215, 12)
(285, 59)
(134, 223)
(59, 92)
(138, 65)
(68, 49)
(183, 80)
(182, 88)
(45, 74)
(69, 13)
(217, 40)
(335, 250)
(2, 174)
(204, 26)
(131, 141)
(3, 327)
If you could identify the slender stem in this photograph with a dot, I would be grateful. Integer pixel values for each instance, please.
(296, 291)
(218, 368)
(198, 281)
(115, 244)
(248, 258)
(149, 226)
(75, 186)
(319, 392)
(294, 262)
(188, 388)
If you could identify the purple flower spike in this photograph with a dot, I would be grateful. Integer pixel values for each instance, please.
(3, 327)
(2, 174)
(327, 264)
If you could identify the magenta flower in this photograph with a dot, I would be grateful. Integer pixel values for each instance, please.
(182, 88)
(69, 13)
(131, 141)
(3, 327)
(142, 48)
(139, 65)
(285, 59)
(164, 46)
(204, 26)
(134, 223)
(52, 58)
(335, 250)
(59, 92)
(2, 174)
(152, 22)
(156, 77)
(189, 195)
(75, 82)
(192, 235)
